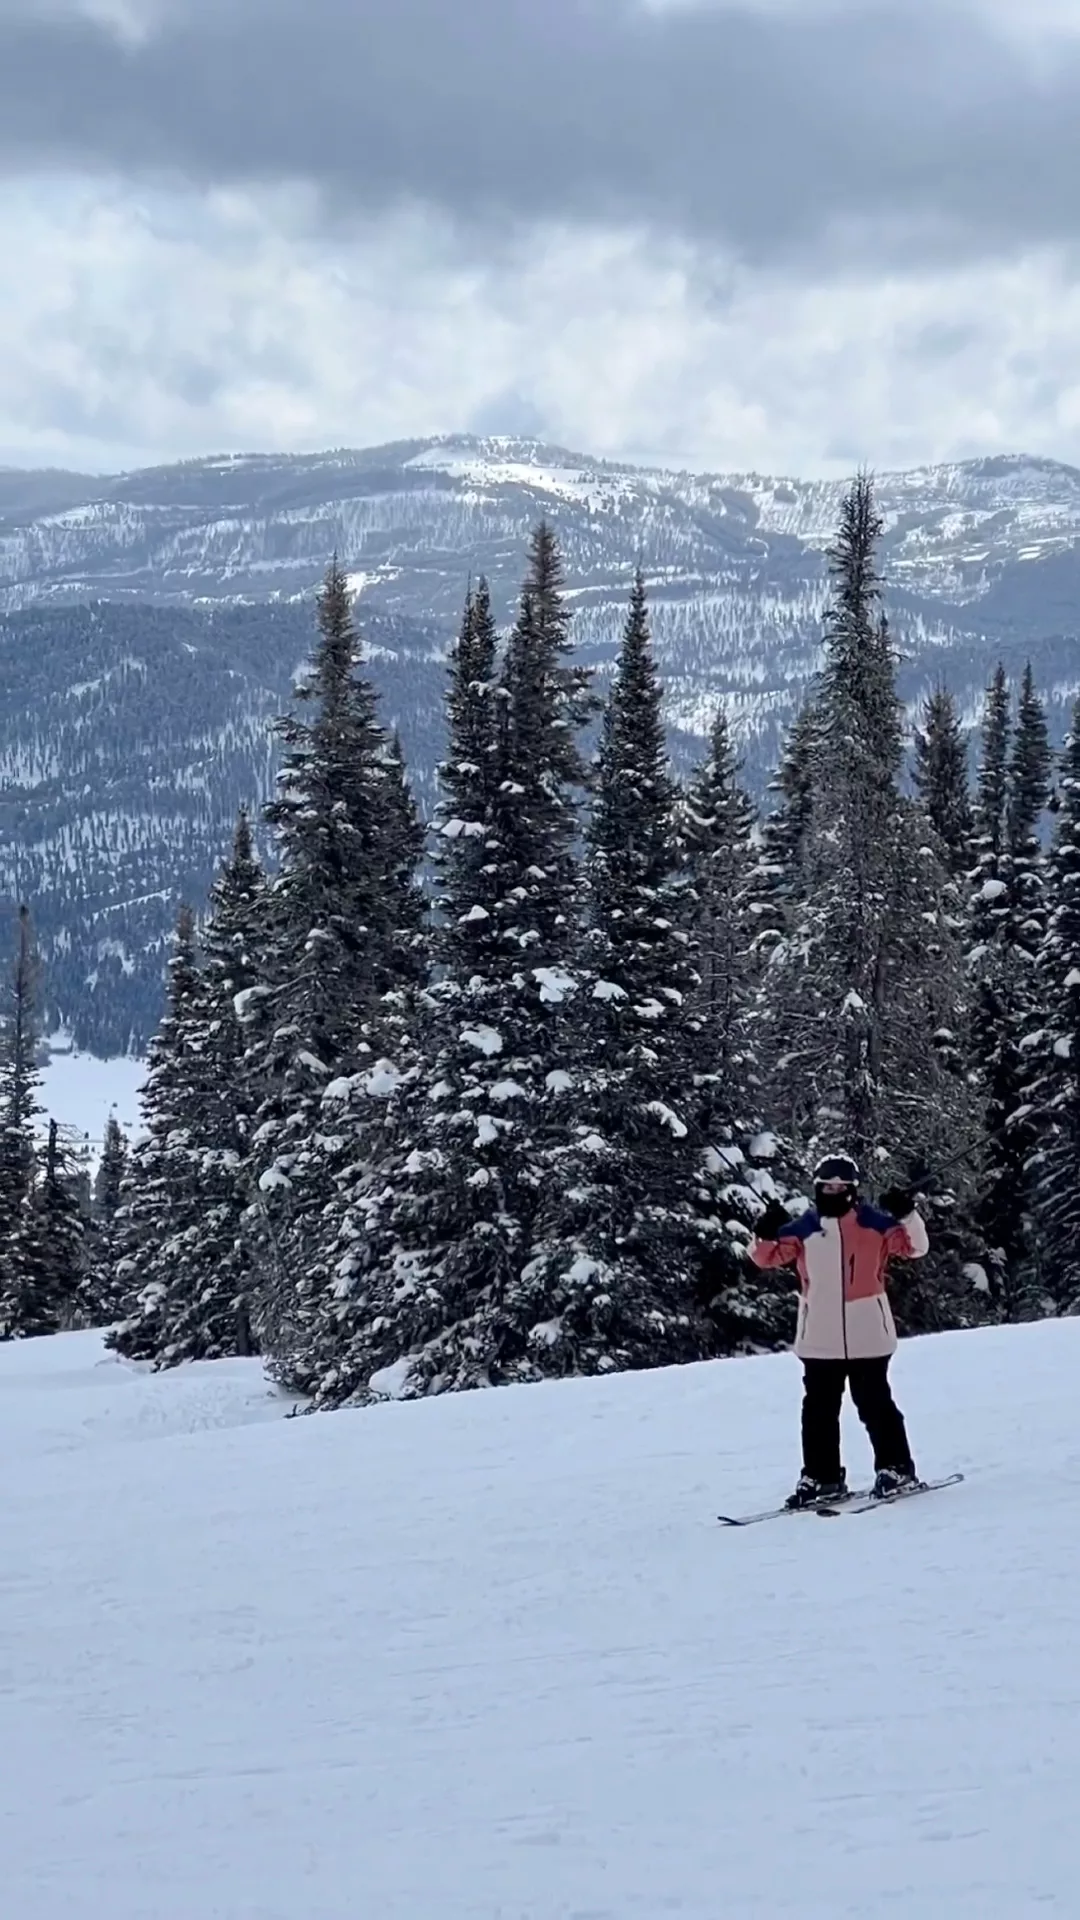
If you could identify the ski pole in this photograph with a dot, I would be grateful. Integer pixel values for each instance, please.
(920, 1175)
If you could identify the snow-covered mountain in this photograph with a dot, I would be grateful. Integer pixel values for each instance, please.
(131, 727)
(408, 514)
(490, 1656)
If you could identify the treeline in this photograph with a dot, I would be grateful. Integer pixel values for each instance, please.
(519, 1121)
(57, 1225)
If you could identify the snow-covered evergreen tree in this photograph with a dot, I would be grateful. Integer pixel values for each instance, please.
(27, 1305)
(827, 1002)
(614, 1271)
(745, 1166)
(720, 866)
(1055, 1161)
(989, 890)
(56, 1251)
(942, 779)
(405, 904)
(198, 1306)
(105, 1237)
(436, 1229)
(861, 998)
(19, 1078)
(337, 931)
(208, 1309)
(780, 877)
(467, 858)
(1008, 928)
(545, 700)
(160, 1195)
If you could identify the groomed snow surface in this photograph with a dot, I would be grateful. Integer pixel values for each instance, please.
(81, 1092)
(492, 1657)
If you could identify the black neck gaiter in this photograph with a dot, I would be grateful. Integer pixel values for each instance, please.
(832, 1205)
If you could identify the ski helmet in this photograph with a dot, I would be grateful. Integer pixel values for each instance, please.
(837, 1166)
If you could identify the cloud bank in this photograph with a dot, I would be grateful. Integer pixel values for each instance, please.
(886, 126)
(729, 233)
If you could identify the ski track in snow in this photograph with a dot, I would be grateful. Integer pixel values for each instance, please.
(491, 1657)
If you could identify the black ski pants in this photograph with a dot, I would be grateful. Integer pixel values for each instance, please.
(822, 1398)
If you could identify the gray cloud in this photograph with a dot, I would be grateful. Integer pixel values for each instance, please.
(918, 130)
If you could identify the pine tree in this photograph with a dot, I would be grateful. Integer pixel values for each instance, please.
(468, 858)
(1029, 776)
(991, 806)
(834, 1009)
(545, 701)
(337, 935)
(107, 1196)
(613, 1278)
(110, 1174)
(202, 1308)
(27, 1307)
(19, 1080)
(780, 879)
(941, 778)
(745, 1167)
(437, 1226)
(1009, 925)
(1054, 1165)
(405, 905)
(720, 866)
(160, 1196)
(56, 1253)
(209, 1308)
(860, 1000)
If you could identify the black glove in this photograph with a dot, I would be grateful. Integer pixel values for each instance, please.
(772, 1222)
(899, 1201)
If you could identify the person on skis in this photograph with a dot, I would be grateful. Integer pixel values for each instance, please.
(846, 1333)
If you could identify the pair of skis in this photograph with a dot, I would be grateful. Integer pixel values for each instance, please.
(857, 1502)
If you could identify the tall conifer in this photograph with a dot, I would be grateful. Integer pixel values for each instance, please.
(1055, 1159)
(613, 1275)
(337, 935)
(942, 780)
(202, 1307)
(27, 1303)
(860, 998)
(1009, 923)
(107, 1200)
(161, 1190)
(437, 1228)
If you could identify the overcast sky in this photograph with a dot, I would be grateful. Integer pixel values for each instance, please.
(788, 235)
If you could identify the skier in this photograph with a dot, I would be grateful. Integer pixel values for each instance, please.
(846, 1333)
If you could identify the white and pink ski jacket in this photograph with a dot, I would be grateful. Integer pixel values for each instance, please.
(845, 1312)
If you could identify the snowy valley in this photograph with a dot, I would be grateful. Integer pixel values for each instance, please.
(490, 1657)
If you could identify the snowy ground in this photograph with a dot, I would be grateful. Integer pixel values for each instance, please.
(80, 1092)
(491, 1658)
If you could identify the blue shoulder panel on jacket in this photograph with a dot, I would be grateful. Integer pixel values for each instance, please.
(803, 1227)
(870, 1216)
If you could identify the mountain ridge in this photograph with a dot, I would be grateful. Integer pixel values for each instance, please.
(1007, 505)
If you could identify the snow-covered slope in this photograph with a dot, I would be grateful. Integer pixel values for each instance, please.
(490, 1658)
(80, 1092)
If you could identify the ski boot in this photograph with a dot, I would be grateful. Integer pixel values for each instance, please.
(816, 1493)
(893, 1480)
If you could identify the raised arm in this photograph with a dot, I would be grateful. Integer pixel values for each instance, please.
(772, 1245)
(908, 1238)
